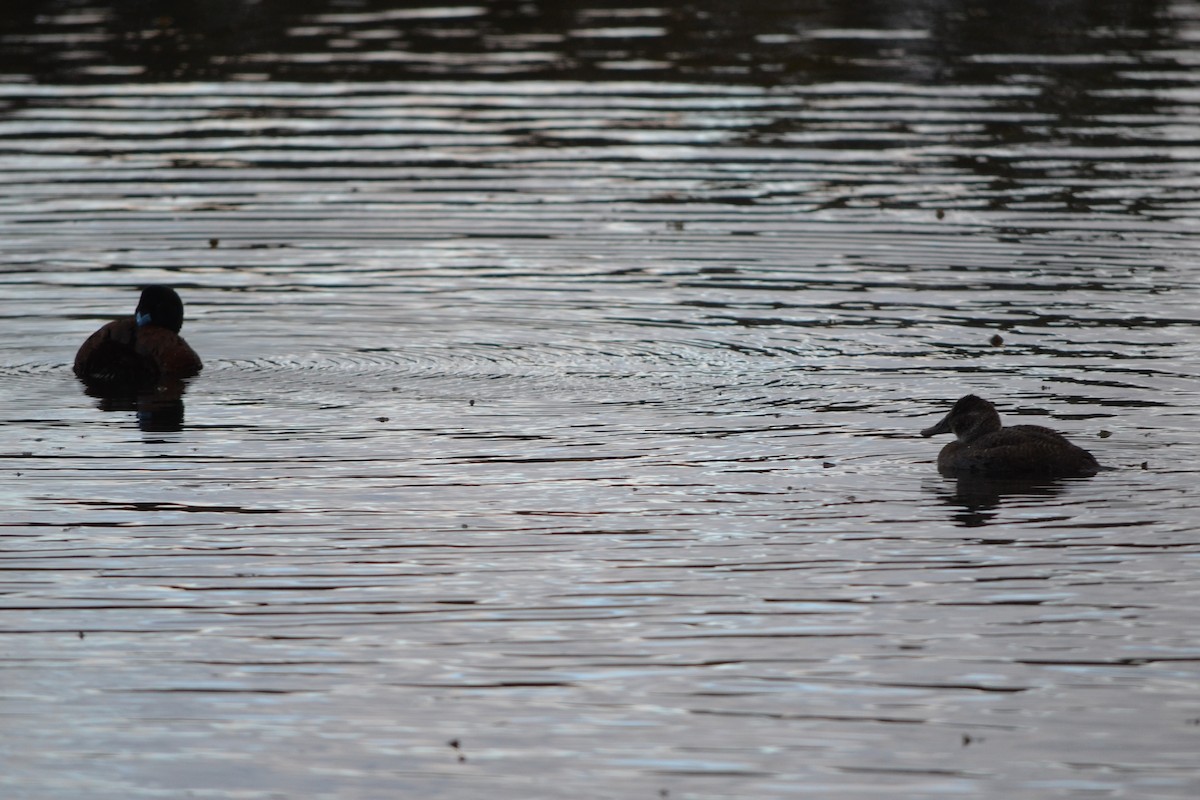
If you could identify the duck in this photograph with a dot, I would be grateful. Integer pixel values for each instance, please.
(133, 352)
(985, 448)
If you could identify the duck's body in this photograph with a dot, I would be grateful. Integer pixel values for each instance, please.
(985, 448)
(142, 349)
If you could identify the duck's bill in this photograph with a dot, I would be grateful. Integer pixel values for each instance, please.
(941, 427)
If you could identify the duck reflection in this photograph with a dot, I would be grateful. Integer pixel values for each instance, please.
(158, 408)
(977, 500)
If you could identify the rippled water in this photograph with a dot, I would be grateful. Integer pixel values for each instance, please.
(564, 367)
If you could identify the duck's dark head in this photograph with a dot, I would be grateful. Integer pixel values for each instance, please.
(971, 416)
(160, 305)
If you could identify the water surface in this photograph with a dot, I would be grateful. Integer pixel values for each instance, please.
(564, 370)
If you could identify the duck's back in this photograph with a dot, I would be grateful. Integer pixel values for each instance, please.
(170, 353)
(123, 354)
(109, 355)
(1018, 451)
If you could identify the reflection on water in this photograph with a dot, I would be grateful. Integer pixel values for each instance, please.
(761, 42)
(980, 498)
(156, 409)
(562, 368)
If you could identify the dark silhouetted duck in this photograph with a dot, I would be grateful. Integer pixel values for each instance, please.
(983, 447)
(135, 351)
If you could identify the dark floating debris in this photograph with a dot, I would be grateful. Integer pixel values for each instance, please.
(457, 747)
(997, 340)
(212, 243)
